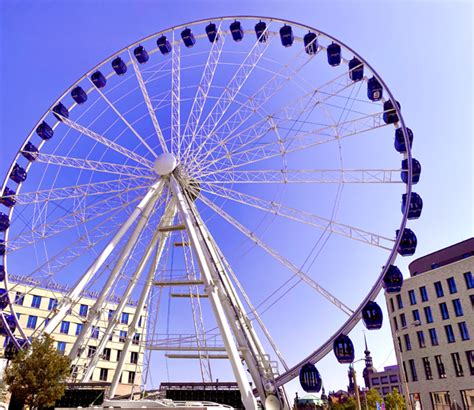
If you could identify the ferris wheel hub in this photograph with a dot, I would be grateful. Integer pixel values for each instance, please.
(165, 163)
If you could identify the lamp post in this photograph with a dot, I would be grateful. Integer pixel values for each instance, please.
(398, 352)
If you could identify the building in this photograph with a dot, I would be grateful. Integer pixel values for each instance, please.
(33, 304)
(385, 381)
(432, 322)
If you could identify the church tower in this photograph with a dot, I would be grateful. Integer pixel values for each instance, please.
(369, 368)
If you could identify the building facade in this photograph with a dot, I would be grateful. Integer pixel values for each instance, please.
(432, 322)
(34, 303)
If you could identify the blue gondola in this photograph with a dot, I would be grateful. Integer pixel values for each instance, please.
(286, 36)
(18, 174)
(310, 379)
(261, 31)
(415, 168)
(334, 54)
(237, 31)
(2, 247)
(390, 116)
(11, 323)
(310, 41)
(374, 89)
(400, 145)
(164, 45)
(416, 205)
(4, 299)
(59, 111)
(11, 350)
(344, 349)
(356, 69)
(141, 54)
(392, 280)
(8, 198)
(372, 316)
(211, 31)
(99, 79)
(188, 37)
(44, 131)
(408, 243)
(29, 151)
(119, 66)
(2, 273)
(79, 95)
(4, 222)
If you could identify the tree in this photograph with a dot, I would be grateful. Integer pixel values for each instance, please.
(372, 396)
(394, 401)
(37, 375)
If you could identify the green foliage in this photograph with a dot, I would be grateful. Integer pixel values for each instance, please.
(349, 404)
(394, 401)
(372, 396)
(37, 376)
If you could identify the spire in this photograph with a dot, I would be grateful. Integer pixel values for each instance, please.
(369, 367)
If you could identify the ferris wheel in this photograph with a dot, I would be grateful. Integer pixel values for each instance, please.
(236, 177)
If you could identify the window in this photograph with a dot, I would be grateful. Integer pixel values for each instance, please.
(421, 339)
(19, 298)
(414, 376)
(392, 307)
(457, 365)
(122, 336)
(384, 379)
(136, 338)
(416, 316)
(46, 321)
(405, 371)
(469, 280)
(104, 373)
(111, 313)
(385, 390)
(36, 302)
(403, 320)
(399, 344)
(395, 323)
(440, 367)
(131, 377)
(125, 316)
(452, 285)
(427, 367)
(449, 333)
(78, 329)
(53, 304)
(412, 296)
(61, 347)
(83, 310)
(64, 327)
(95, 332)
(470, 360)
(457, 307)
(444, 311)
(375, 381)
(134, 357)
(407, 342)
(463, 330)
(31, 324)
(119, 353)
(106, 354)
(399, 301)
(428, 314)
(91, 351)
(393, 378)
(423, 294)
(74, 371)
(140, 321)
(439, 289)
(433, 337)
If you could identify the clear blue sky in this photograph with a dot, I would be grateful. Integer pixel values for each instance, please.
(422, 49)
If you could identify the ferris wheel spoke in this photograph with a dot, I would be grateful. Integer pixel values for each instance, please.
(148, 103)
(175, 142)
(106, 142)
(297, 142)
(308, 218)
(91, 165)
(232, 89)
(70, 220)
(77, 191)
(202, 91)
(281, 259)
(305, 176)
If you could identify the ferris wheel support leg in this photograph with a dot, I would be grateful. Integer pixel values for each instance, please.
(114, 320)
(123, 256)
(75, 293)
(206, 266)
